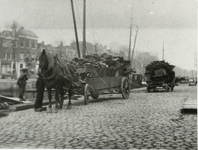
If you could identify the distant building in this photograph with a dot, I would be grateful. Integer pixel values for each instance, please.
(23, 44)
(62, 51)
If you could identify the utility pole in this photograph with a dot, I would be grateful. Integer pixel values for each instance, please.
(163, 52)
(84, 28)
(75, 29)
(134, 45)
(14, 49)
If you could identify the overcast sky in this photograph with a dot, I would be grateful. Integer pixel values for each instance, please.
(173, 22)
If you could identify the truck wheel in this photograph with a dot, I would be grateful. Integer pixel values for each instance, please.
(167, 88)
(172, 86)
(94, 95)
(147, 89)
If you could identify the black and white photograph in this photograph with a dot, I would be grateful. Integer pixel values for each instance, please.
(98, 74)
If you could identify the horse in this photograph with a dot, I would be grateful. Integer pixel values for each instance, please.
(58, 75)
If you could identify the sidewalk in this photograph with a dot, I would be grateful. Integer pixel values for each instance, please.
(189, 105)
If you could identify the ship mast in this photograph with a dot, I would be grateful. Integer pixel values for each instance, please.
(84, 28)
(134, 45)
(129, 55)
(163, 52)
(75, 29)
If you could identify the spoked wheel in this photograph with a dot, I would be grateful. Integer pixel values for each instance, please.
(87, 94)
(125, 88)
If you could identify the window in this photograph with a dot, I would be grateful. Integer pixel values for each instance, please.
(30, 43)
(4, 43)
(28, 55)
(3, 68)
(33, 57)
(33, 44)
(27, 43)
(8, 68)
(21, 56)
(22, 43)
(135, 77)
(16, 44)
(21, 66)
(5, 56)
(9, 56)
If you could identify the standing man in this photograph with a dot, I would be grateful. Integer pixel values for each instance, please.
(40, 87)
(22, 83)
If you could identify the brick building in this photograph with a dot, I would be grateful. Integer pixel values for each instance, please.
(20, 43)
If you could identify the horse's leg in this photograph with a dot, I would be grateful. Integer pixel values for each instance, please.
(62, 98)
(56, 100)
(70, 93)
(50, 99)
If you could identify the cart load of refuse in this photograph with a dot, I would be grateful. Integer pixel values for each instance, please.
(159, 70)
(103, 65)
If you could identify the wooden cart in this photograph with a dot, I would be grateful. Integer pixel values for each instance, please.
(95, 86)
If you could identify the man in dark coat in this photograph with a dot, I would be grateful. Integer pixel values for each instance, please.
(22, 83)
(40, 87)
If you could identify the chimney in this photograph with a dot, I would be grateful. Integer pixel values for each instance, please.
(14, 26)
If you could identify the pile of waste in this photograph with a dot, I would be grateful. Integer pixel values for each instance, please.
(104, 65)
(160, 70)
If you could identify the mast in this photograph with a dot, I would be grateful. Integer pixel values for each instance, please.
(134, 45)
(163, 52)
(75, 29)
(129, 55)
(84, 28)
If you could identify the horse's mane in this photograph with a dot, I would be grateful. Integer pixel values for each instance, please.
(50, 59)
(61, 67)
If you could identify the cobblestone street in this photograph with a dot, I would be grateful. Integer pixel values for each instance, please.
(145, 121)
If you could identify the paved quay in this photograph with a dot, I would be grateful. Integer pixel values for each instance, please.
(145, 121)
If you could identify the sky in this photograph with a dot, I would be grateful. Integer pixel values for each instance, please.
(173, 22)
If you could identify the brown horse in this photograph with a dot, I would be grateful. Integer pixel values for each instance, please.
(58, 75)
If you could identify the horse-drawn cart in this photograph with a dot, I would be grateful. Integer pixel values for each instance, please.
(90, 76)
(95, 85)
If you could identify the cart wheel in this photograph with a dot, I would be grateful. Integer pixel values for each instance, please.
(125, 88)
(167, 88)
(94, 95)
(86, 94)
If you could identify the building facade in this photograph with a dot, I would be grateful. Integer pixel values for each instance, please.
(17, 47)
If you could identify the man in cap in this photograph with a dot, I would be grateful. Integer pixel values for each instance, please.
(22, 83)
